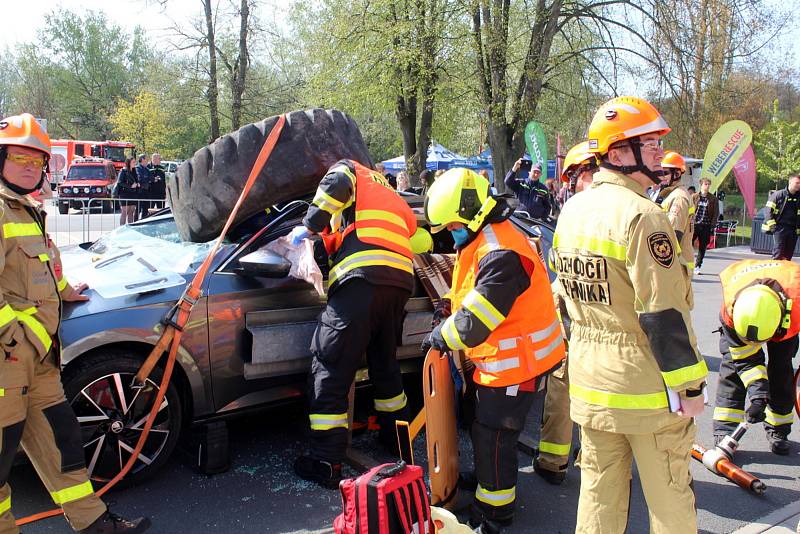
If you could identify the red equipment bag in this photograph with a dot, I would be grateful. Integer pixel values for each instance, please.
(388, 499)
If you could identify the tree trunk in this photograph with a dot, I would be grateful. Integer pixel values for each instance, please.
(240, 68)
(212, 93)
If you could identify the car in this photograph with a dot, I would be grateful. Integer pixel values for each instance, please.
(87, 179)
(170, 168)
(245, 346)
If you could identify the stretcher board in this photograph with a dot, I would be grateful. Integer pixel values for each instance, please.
(440, 425)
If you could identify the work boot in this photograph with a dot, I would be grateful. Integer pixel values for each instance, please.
(110, 523)
(486, 527)
(778, 443)
(325, 474)
(478, 519)
(555, 478)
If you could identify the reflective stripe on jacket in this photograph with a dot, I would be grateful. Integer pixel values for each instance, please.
(366, 226)
(778, 202)
(781, 275)
(521, 345)
(624, 288)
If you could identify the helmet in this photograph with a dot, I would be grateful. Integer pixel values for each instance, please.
(577, 155)
(673, 160)
(458, 195)
(421, 241)
(757, 313)
(622, 118)
(23, 130)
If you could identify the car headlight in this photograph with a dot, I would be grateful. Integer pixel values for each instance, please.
(66, 190)
(87, 189)
(98, 189)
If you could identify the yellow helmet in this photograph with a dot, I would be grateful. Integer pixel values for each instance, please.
(577, 156)
(757, 313)
(421, 241)
(458, 195)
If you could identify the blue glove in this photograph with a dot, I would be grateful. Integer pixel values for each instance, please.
(298, 233)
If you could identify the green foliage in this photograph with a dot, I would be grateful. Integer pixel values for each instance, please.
(140, 122)
(777, 148)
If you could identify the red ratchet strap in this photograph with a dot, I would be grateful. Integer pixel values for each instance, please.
(174, 323)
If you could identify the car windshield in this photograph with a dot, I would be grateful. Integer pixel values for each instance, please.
(87, 172)
(115, 153)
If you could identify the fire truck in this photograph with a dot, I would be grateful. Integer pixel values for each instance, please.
(65, 151)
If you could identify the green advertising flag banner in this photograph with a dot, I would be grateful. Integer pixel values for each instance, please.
(537, 144)
(727, 145)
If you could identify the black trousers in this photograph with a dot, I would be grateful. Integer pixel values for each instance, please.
(702, 232)
(144, 205)
(499, 418)
(784, 241)
(359, 318)
(735, 371)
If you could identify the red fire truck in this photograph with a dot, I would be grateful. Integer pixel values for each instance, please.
(65, 151)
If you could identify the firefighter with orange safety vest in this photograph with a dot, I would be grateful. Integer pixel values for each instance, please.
(34, 412)
(760, 309)
(636, 375)
(503, 318)
(555, 436)
(367, 229)
(677, 203)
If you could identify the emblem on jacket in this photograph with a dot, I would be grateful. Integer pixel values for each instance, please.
(661, 248)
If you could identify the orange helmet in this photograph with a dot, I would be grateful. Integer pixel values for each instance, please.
(23, 130)
(624, 117)
(577, 155)
(673, 160)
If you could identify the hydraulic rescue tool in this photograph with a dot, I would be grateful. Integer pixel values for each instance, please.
(718, 461)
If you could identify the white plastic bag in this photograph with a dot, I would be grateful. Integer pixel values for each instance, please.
(304, 266)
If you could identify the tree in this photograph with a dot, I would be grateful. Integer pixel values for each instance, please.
(212, 93)
(141, 122)
(777, 149)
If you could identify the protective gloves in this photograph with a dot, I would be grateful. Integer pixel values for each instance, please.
(756, 410)
(298, 233)
(434, 340)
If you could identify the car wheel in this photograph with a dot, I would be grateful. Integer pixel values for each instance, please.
(63, 208)
(112, 415)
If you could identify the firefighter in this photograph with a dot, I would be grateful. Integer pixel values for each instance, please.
(503, 318)
(756, 312)
(555, 438)
(636, 376)
(678, 205)
(783, 219)
(366, 228)
(34, 412)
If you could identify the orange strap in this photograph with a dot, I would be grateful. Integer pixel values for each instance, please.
(171, 336)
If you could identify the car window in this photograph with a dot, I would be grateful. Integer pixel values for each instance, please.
(87, 172)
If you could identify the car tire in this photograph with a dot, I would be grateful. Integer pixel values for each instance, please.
(111, 415)
(63, 208)
(208, 184)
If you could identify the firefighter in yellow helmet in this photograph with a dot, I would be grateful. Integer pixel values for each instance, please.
(33, 410)
(636, 376)
(677, 203)
(503, 318)
(555, 436)
(760, 309)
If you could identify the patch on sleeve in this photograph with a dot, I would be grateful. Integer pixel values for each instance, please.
(661, 248)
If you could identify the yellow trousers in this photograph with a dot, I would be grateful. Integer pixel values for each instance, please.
(555, 439)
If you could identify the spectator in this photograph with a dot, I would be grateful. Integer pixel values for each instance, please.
(438, 174)
(706, 214)
(533, 195)
(391, 179)
(550, 184)
(691, 190)
(158, 188)
(402, 181)
(145, 180)
(127, 185)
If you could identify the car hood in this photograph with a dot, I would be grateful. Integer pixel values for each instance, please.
(85, 183)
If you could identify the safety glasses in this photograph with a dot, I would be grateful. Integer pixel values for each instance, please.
(651, 144)
(26, 161)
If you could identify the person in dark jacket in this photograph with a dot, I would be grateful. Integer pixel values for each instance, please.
(783, 219)
(158, 189)
(533, 195)
(145, 179)
(127, 190)
(706, 213)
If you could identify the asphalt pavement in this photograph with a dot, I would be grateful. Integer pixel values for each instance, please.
(260, 494)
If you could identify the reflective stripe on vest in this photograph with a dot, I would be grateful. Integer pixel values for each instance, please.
(622, 401)
(327, 421)
(759, 372)
(496, 498)
(394, 404)
(602, 247)
(777, 419)
(21, 230)
(731, 415)
(5, 505)
(367, 258)
(73, 493)
(558, 449)
(498, 366)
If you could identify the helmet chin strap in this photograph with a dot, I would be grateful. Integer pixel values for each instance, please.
(22, 190)
(655, 176)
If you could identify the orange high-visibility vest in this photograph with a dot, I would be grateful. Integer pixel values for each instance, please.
(379, 235)
(528, 342)
(744, 273)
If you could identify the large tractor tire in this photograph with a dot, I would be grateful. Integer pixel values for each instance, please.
(208, 184)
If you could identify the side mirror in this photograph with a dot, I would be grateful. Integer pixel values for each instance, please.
(265, 264)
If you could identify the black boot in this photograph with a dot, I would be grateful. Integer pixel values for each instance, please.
(555, 478)
(325, 474)
(109, 523)
(778, 443)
